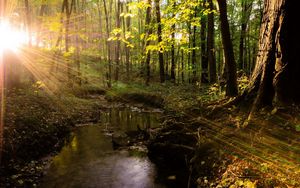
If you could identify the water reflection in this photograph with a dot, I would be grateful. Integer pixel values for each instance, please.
(89, 160)
(128, 119)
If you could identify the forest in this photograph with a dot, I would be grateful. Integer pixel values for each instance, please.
(149, 93)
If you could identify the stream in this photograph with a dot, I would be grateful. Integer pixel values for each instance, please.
(89, 158)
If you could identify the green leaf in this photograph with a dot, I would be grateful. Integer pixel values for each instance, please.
(298, 128)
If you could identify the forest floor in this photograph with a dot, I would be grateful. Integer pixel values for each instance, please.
(211, 143)
(218, 144)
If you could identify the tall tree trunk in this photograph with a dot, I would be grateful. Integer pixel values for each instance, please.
(101, 43)
(173, 76)
(211, 45)
(182, 66)
(28, 22)
(55, 65)
(127, 48)
(167, 65)
(277, 69)
(194, 67)
(2, 14)
(231, 77)
(108, 74)
(159, 40)
(67, 34)
(148, 30)
(67, 25)
(41, 14)
(173, 50)
(194, 63)
(204, 62)
(77, 48)
(246, 9)
(118, 45)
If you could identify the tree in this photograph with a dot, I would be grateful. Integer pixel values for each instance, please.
(173, 47)
(211, 44)
(246, 12)
(118, 45)
(2, 14)
(108, 74)
(28, 21)
(204, 62)
(159, 40)
(231, 77)
(277, 69)
(127, 48)
(68, 8)
(194, 66)
(148, 30)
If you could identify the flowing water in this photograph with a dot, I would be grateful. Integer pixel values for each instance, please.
(89, 158)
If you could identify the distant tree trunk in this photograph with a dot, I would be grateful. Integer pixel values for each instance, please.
(101, 44)
(108, 74)
(173, 50)
(54, 67)
(167, 65)
(118, 45)
(231, 77)
(67, 26)
(194, 67)
(189, 54)
(182, 66)
(204, 62)
(142, 31)
(246, 9)
(41, 14)
(173, 76)
(211, 45)
(2, 14)
(77, 49)
(159, 40)
(277, 70)
(28, 22)
(127, 48)
(67, 34)
(148, 30)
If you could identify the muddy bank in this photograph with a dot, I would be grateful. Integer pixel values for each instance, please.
(35, 125)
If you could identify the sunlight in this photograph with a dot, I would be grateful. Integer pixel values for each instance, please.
(11, 38)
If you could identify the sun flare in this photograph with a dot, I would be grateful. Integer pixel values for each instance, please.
(11, 38)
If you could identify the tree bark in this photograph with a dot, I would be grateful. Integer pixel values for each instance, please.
(2, 14)
(246, 9)
(211, 45)
(69, 9)
(194, 67)
(28, 22)
(77, 47)
(148, 30)
(159, 40)
(231, 77)
(173, 49)
(277, 69)
(127, 48)
(182, 66)
(108, 74)
(118, 43)
(204, 62)
(41, 14)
